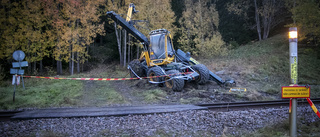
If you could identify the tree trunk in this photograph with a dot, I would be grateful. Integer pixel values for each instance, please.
(125, 48)
(257, 19)
(29, 66)
(41, 67)
(87, 59)
(60, 64)
(201, 24)
(118, 41)
(266, 28)
(82, 67)
(72, 63)
(58, 68)
(268, 14)
(34, 67)
(70, 60)
(78, 63)
(101, 40)
(77, 53)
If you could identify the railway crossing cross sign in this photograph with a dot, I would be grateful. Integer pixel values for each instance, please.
(18, 55)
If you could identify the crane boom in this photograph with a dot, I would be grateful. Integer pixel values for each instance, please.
(128, 27)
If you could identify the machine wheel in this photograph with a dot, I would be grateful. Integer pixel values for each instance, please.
(203, 71)
(136, 66)
(156, 71)
(176, 84)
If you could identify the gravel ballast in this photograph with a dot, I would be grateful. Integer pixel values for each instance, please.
(185, 123)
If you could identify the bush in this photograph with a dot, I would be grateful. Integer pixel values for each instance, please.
(234, 44)
(2, 73)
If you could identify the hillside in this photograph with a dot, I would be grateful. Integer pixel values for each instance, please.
(260, 67)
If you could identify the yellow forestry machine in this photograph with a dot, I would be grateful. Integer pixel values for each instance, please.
(160, 59)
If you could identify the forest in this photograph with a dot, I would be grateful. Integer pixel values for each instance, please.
(70, 36)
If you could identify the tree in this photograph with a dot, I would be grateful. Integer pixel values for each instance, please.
(199, 27)
(24, 28)
(267, 14)
(305, 14)
(53, 13)
(8, 26)
(76, 23)
(233, 27)
(33, 28)
(157, 14)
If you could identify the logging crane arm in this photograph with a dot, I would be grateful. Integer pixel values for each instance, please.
(160, 58)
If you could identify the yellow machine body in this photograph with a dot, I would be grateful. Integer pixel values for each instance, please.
(150, 55)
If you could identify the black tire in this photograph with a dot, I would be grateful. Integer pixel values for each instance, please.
(176, 84)
(156, 71)
(203, 71)
(136, 66)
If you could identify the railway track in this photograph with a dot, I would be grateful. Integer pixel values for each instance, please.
(254, 104)
(140, 110)
(6, 115)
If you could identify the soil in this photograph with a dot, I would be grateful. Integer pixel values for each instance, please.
(192, 93)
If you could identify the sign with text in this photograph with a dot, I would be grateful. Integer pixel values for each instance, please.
(295, 92)
(20, 64)
(17, 71)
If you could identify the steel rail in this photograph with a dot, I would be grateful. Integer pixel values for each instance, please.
(254, 104)
(6, 115)
(140, 110)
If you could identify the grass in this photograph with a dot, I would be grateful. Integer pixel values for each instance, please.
(266, 59)
(154, 95)
(282, 130)
(41, 93)
(263, 66)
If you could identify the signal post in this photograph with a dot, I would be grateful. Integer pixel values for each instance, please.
(294, 91)
(293, 43)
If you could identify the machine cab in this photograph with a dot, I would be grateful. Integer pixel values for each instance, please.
(161, 48)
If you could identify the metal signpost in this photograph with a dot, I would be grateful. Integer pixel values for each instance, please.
(293, 43)
(16, 70)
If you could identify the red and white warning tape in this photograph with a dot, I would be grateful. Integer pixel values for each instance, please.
(104, 79)
(314, 108)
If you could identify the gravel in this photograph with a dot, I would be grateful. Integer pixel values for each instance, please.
(186, 123)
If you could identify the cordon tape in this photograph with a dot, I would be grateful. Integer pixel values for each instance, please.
(104, 79)
(314, 108)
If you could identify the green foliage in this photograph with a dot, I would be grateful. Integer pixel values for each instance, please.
(234, 44)
(199, 34)
(234, 27)
(2, 73)
(56, 29)
(306, 16)
(24, 28)
(80, 26)
(158, 13)
(264, 66)
(308, 62)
